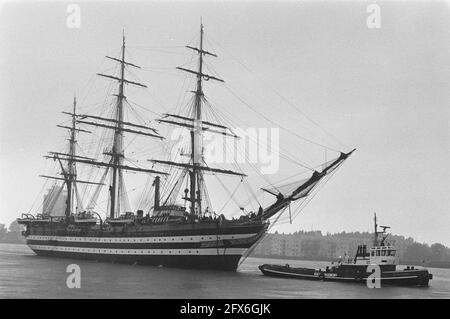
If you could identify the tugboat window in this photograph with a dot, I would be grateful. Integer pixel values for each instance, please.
(378, 253)
(383, 253)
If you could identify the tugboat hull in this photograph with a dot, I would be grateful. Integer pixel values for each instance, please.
(288, 272)
(407, 277)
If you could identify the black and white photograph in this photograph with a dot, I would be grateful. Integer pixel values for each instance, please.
(224, 150)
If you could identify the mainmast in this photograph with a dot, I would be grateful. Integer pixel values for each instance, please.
(196, 125)
(117, 152)
(197, 151)
(195, 174)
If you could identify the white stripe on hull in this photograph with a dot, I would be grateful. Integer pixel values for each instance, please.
(109, 251)
(172, 239)
(335, 277)
(381, 278)
(290, 273)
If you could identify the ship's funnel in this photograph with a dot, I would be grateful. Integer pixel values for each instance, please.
(156, 184)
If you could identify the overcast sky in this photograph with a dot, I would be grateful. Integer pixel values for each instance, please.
(383, 91)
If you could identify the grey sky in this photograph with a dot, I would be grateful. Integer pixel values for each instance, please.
(383, 91)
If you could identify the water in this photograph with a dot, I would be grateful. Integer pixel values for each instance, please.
(25, 275)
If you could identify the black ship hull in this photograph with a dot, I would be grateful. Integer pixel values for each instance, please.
(408, 277)
(202, 246)
(213, 262)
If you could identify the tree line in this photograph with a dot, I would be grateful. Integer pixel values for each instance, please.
(12, 234)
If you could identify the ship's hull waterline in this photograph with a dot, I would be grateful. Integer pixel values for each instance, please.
(219, 249)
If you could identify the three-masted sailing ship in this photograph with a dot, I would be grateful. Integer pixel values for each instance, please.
(170, 234)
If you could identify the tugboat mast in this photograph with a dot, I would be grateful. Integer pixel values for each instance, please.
(375, 241)
(383, 232)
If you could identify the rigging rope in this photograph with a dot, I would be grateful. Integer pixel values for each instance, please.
(281, 96)
(251, 249)
(231, 197)
(274, 123)
(93, 201)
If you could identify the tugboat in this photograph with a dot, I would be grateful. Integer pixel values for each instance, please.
(360, 267)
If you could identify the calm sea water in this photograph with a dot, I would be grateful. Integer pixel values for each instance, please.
(25, 275)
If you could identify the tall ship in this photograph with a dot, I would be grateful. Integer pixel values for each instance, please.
(180, 229)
